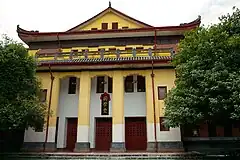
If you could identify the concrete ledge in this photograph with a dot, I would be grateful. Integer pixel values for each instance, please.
(176, 146)
(211, 138)
(82, 147)
(117, 147)
(38, 146)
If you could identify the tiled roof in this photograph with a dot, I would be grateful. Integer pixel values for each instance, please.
(100, 60)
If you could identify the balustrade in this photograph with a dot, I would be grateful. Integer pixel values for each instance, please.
(58, 54)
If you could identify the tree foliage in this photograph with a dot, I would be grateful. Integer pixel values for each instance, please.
(207, 75)
(20, 106)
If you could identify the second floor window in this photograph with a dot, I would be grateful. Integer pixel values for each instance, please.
(43, 95)
(162, 92)
(140, 84)
(72, 85)
(110, 85)
(100, 84)
(128, 85)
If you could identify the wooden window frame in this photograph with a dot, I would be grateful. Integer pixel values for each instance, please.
(115, 25)
(110, 84)
(141, 84)
(43, 95)
(100, 84)
(128, 82)
(160, 96)
(72, 85)
(162, 126)
(104, 26)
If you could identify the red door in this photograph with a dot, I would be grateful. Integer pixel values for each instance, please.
(135, 133)
(71, 133)
(103, 137)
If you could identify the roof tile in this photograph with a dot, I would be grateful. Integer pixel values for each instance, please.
(100, 60)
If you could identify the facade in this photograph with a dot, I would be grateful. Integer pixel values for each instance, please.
(105, 81)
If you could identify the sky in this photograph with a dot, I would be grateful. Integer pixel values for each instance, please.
(61, 15)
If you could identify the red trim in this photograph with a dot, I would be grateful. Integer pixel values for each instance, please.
(163, 61)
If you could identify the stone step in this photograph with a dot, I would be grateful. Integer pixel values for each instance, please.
(109, 156)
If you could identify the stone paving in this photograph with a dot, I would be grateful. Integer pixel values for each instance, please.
(108, 156)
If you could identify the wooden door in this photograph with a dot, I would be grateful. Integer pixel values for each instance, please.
(71, 133)
(103, 133)
(135, 133)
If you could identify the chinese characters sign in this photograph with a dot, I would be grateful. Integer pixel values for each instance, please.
(105, 98)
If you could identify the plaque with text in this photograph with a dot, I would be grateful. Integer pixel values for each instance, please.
(105, 98)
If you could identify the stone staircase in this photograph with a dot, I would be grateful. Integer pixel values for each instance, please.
(109, 156)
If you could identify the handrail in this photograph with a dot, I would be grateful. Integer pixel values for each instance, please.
(101, 53)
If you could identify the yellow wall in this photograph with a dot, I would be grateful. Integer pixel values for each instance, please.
(109, 18)
(163, 77)
(46, 84)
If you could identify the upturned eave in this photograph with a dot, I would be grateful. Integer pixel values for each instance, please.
(36, 36)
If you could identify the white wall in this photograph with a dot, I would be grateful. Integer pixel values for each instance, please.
(135, 102)
(95, 109)
(32, 136)
(68, 107)
(173, 134)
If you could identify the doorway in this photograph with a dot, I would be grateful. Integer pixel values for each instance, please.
(103, 133)
(71, 133)
(135, 133)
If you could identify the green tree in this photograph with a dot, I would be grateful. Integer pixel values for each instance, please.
(207, 75)
(20, 105)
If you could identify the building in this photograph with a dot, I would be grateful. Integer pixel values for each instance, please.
(111, 74)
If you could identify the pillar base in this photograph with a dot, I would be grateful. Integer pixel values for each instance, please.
(117, 147)
(176, 146)
(38, 146)
(82, 147)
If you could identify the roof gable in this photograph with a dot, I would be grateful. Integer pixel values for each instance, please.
(109, 16)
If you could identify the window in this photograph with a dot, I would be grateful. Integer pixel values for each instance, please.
(43, 95)
(100, 84)
(163, 127)
(162, 92)
(124, 27)
(38, 129)
(72, 85)
(104, 25)
(140, 84)
(110, 85)
(115, 25)
(129, 86)
(93, 29)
